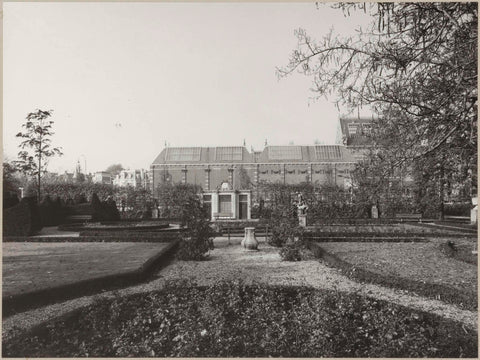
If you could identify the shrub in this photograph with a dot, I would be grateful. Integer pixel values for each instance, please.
(80, 198)
(197, 239)
(104, 211)
(291, 252)
(457, 209)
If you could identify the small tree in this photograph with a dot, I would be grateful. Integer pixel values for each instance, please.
(36, 147)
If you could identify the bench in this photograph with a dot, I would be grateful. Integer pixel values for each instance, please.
(409, 217)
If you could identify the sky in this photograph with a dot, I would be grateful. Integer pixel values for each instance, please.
(123, 78)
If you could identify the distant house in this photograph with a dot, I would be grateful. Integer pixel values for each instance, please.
(102, 177)
(134, 178)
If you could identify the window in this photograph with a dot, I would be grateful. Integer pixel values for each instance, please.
(352, 128)
(225, 204)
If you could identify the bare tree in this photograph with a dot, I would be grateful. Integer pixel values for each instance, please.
(416, 66)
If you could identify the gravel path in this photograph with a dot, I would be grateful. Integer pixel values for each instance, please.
(230, 261)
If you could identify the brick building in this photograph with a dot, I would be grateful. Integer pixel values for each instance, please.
(209, 167)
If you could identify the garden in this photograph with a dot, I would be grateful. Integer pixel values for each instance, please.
(348, 288)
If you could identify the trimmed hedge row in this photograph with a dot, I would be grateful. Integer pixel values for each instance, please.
(367, 239)
(111, 228)
(322, 234)
(22, 219)
(99, 238)
(354, 221)
(236, 320)
(461, 298)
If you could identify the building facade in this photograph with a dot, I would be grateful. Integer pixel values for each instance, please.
(209, 167)
(133, 178)
(102, 177)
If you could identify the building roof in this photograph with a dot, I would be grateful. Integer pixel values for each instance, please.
(239, 154)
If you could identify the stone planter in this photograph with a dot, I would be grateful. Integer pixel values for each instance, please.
(249, 242)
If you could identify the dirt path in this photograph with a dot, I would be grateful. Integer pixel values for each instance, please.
(230, 261)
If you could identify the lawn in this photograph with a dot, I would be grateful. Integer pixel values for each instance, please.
(32, 266)
(409, 263)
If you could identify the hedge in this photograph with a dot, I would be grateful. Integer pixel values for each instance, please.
(236, 320)
(51, 212)
(93, 238)
(22, 219)
(464, 299)
(366, 239)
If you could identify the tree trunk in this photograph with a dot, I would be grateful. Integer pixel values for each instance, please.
(39, 174)
(442, 190)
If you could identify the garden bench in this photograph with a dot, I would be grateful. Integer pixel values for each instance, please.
(78, 218)
(407, 217)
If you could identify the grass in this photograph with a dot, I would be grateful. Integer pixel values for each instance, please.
(418, 267)
(29, 267)
(233, 319)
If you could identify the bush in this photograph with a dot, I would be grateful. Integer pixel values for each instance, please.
(457, 209)
(80, 199)
(197, 239)
(235, 320)
(104, 211)
(291, 252)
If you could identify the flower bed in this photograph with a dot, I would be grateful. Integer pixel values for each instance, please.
(406, 267)
(231, 320)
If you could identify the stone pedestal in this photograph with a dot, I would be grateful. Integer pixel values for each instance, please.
(249, 242)
(302, 220)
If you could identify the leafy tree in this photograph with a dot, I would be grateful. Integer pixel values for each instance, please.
(416, 66)
(114, 169)
(36, 147)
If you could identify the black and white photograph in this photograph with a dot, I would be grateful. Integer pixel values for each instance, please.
(240, 179)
